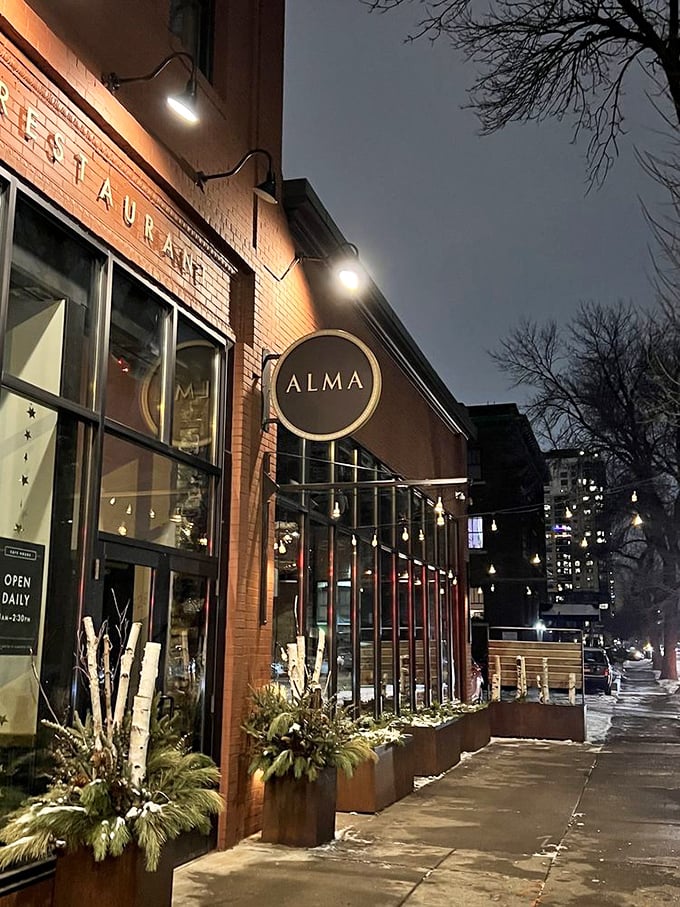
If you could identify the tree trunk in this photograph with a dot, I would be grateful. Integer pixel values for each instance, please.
(669, 668)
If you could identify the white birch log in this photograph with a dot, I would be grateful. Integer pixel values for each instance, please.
(293, 670)
(318, 661)
(545, 683)
(124, 680)
(93, 678)
(495, 687)
(572, 689)
(141, 713)
(106, 647)
(302, 661)
(521, 672)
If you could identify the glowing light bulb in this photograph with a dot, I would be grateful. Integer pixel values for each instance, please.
(128, 509)
(536, 560)
(494, 527)
(354, 541)
(421, 535)
(282, 548)
(584, 542)
(492, 587)
(336, 511)
(637, 520)
(568, 514)
(122, 529)
(492, 569)
(404, 534)
(454, 581)
(439, 507)
(374, 540)
(440, 520)
(634, 497)
(529, 590)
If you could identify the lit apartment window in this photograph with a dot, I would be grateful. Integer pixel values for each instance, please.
(475, 532)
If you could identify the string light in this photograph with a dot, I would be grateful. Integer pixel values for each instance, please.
(568, 514)
(492, 569)
(336, 511)
(421, 535)
(494, 527)
(451, 574)
(529, 592)
(454, 581)
(637, 520)
(439, 507)
(128, 509)
(634, 497)
(354, 541)
(440, 520)
(374, 540)
(584, 542)
(404, 534)
(282, 548)
(492, 587)
(122, 529)
(536, 560)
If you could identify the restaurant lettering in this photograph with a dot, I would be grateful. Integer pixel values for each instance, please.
(165, 244)
(328, 383)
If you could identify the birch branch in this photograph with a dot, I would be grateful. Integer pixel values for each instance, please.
(124, 680)
(318, 662)
(93, 679)
(141, 713)
(106, 644)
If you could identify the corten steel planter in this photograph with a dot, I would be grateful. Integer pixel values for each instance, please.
(538, 721)
(436, 748)
(375, 785)
(81, 880)
(300, 813)
(475, 730)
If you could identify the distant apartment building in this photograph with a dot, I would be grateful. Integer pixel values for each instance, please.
(505, 525)
(580, 582)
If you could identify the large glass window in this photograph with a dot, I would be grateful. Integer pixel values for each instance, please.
(146, 495)
(51, 323)
(42, 455)
(137, 365)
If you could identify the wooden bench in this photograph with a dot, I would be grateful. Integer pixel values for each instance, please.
(564, 658)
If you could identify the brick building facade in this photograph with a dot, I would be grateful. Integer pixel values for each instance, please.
(135, 311)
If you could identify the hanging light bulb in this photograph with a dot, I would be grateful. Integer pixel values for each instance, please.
(536, 560)
(529, 590)
(637, 520)
(440, 519)
(494, 527)
(454, 581)
(122, 529)
(492, 569)
(492, 587)
(336, 511)
(152, 514)
(584, 542)
(568, 514)
(450, 574)
(404, 534)
(439, 507)
(480, 591)
(112, 501)
(374, 540)
(282, 548)
(634, 497)
(421, 535)
(128, 509)
(354, 541)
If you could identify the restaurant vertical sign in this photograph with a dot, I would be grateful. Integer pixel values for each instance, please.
(21, 579)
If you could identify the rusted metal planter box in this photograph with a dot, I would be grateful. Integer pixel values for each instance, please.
(537, 721)
(300, 813)
(436, 748)
(375, 785)
(80, 879)
(475, 730)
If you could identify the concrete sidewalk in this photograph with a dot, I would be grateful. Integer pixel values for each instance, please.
(518, 823)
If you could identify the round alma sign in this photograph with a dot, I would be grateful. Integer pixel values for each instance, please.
(326, 385)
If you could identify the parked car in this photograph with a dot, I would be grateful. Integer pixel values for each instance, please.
(597, 671)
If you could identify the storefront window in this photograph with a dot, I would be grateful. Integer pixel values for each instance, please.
(343, 610)
(147, 496)
(40, 520)
(194, 413)
(137, 364)
(51, 321)
(366, 583)
(287, 538)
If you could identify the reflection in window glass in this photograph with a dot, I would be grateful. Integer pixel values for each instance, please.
(287, 535)
(343, 615)
(136, 367)
(194, 406)
(50, 316)
(366, 580)
(185, 653)
(147, 496)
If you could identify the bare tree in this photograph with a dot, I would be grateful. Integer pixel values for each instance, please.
(601, 384)
(541, 58)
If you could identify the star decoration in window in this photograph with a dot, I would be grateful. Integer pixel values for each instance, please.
(31, 412)
(25, 458)
(27, 435)
(24, 480)
(18, 527)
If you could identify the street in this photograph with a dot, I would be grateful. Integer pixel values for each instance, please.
(530, 823)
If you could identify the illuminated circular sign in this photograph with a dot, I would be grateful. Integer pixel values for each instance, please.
(326, 385)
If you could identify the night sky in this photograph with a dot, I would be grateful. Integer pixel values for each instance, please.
(463, 234)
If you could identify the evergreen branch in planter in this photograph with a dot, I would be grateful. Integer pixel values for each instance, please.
(132, 779)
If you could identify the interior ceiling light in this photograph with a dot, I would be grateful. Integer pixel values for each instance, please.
(266, 190)
(182, 104)
(637, 520)
(492, 569)
(536, 559)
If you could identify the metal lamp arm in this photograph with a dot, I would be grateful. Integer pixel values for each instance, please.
(113, 81)
(202, 178)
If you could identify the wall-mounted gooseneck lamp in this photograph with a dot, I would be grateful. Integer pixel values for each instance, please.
(343, 261)
(183, 104)
(265, 190)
